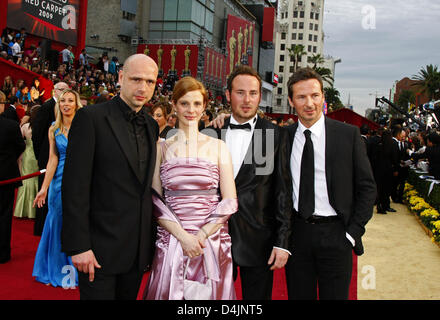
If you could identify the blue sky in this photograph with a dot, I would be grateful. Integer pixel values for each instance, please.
(379, 42)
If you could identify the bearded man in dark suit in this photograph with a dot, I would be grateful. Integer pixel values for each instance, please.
(108, 227)
(260, 229)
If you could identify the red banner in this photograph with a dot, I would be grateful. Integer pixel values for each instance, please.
(268, 25)
(239, 42)
(55, 20)
(178, 58)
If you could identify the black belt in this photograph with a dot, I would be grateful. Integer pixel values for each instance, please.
(319, 219)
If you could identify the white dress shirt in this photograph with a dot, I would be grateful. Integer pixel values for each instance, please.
(322, 202)
(238, 142)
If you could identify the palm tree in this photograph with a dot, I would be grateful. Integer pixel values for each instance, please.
(296, 52)
(332, 98)
(405, 98)
(428, 80)
(326, 75)
(316, 60)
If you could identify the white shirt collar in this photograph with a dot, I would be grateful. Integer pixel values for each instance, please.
(252, 121)
(316, 129)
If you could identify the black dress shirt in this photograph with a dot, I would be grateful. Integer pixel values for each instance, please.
(136, 123)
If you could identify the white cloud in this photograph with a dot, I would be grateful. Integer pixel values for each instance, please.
(406, 39)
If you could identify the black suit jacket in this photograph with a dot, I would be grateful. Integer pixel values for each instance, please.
(107, 205)
(264, 205)
(432, 154)
(395, 156)
(11, 147)
(40, 129)
(350, 183)
(11, 113)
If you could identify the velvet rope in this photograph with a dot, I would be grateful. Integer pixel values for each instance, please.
(28, 176)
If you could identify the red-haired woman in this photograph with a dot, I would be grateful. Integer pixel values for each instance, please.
(196, 196)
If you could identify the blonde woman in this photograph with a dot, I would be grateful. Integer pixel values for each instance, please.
(195, 177)
(49, 260)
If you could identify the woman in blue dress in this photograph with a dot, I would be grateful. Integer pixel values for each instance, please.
(51, 266)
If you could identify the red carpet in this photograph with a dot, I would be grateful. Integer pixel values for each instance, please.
(17, 283)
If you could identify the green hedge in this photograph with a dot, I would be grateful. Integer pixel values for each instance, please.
(422, 187)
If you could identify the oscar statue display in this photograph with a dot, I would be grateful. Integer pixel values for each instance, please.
(187, 71)
(159, 60)
(232, 47)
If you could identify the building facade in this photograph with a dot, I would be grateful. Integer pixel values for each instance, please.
(299, 23)
(187, 37)
(113, 26)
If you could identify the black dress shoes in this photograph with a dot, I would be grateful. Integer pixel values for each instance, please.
(390, 210)
(5, 259)
(380, 210)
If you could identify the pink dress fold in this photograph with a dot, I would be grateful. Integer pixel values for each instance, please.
(191, 198)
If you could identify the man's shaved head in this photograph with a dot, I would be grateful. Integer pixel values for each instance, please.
(138, 80)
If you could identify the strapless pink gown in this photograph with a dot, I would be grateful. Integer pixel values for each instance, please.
(191, 190)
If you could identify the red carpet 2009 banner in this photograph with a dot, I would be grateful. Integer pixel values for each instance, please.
(52, 19)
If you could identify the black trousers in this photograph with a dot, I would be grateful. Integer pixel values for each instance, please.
(384, 187)
(321, 261)
(401, 180)
(40, 213)
(6, 211)
(110, 287)
(256, 282)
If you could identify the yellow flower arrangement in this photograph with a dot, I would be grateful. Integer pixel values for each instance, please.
(429, 216)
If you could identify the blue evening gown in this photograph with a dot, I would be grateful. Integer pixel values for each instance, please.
(51, 265)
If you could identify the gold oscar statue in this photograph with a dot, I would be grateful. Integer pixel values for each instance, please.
(246, 36)
(173, 58)
(232, 47)
(208, 67)
(147, 51)
(213, 65)
(217, 70)
(250, 35)
(159, 57)
(221, 70)
(187, 56)
(240, 43)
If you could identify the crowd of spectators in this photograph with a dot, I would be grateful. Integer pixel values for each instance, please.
(96, 80)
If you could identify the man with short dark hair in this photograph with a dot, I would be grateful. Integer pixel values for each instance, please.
(10, 111)
(260, 229)
(333, 194)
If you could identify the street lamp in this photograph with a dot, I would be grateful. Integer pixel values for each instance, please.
(376, 94)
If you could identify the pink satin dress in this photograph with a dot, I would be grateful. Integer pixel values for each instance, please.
(191, 192)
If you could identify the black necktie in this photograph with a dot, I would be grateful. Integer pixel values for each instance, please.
(245, 126)
(306, 200)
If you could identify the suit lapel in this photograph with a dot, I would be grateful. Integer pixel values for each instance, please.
(119, 127)
(151, 139)
(329, 154)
